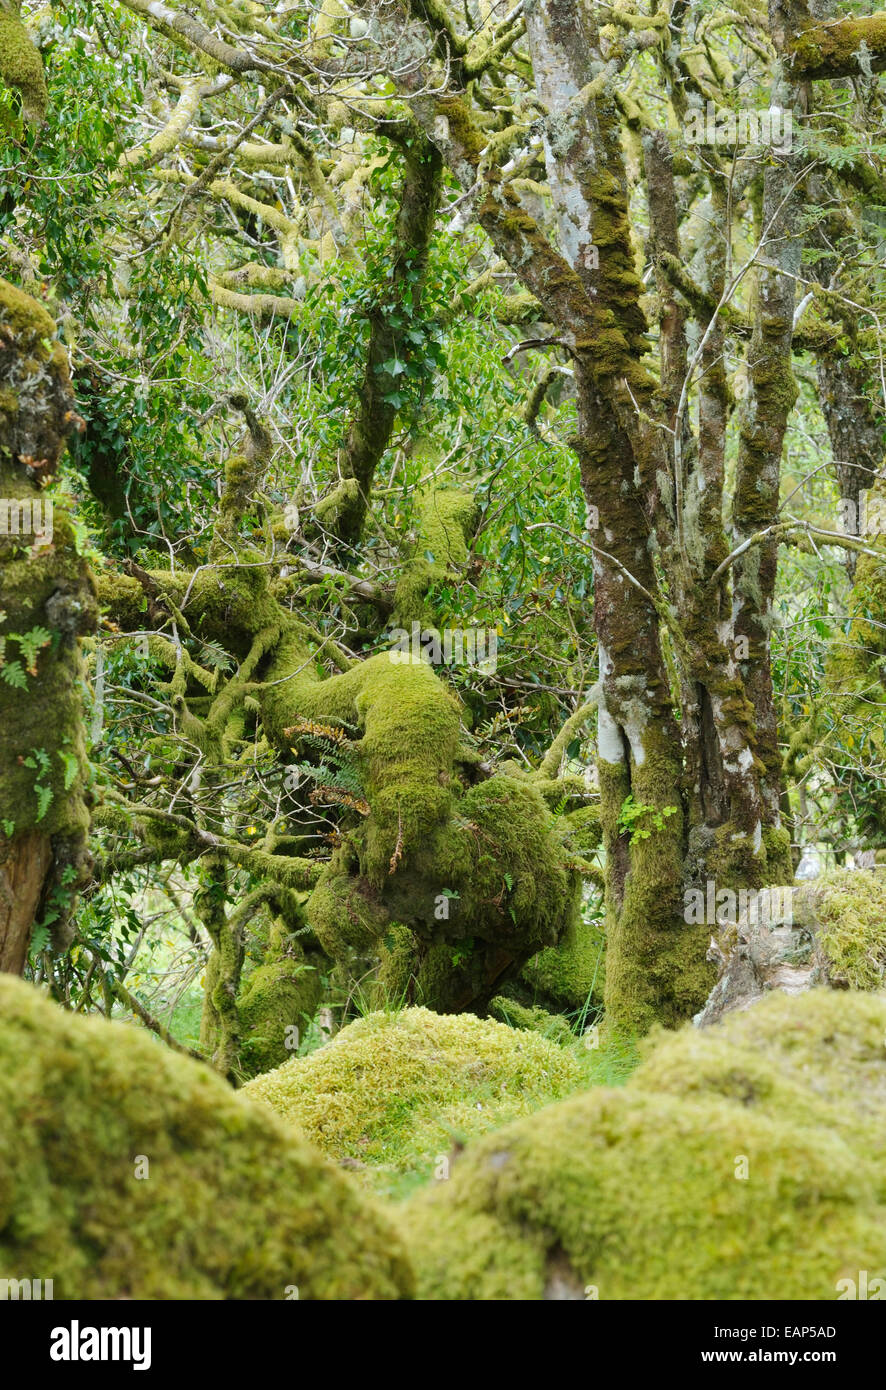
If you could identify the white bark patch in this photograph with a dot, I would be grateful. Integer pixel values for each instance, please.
(609, 745)
(635, 717)
(731, 738)
(633, 713)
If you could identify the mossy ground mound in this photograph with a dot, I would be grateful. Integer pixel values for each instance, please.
(235, 1205)
(641, 1193)
(395, 1091)
(818, 1059)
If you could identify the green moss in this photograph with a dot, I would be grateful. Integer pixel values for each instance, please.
(655, 962)
(410, 732)
(462, 129)
(489, 889)
(816, 1059)
(835, 49)
(444, 523)
(235, 1205)
(278, 996)
(395, 1090)
(29, 321)
(330, 509)
(506, 857)
(777, 844)
(21, 66)
(849, 912)
(533, 1020)
(641, 1193)
(572, 973)
(346, 914)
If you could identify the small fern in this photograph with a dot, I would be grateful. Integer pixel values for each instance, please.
(336, 775)
(38, 762)
(30, 645)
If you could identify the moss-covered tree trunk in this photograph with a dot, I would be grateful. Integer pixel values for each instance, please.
(47, 600)
(683, 801)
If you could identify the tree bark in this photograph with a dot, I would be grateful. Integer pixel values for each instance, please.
(23, 873)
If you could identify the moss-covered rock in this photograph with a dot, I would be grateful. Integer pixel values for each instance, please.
(848, 909)
(230, 1204)
(396, 1090)
(818, 1059)
(735, 1164)
(830, 931)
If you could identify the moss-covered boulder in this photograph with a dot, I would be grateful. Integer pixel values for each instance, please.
(128, 1171)
(740, 1162)
(396, 1091)
(847, 910)
(830, 931)
(817, 1060)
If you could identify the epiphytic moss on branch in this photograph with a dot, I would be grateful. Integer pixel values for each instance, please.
(21, 66)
